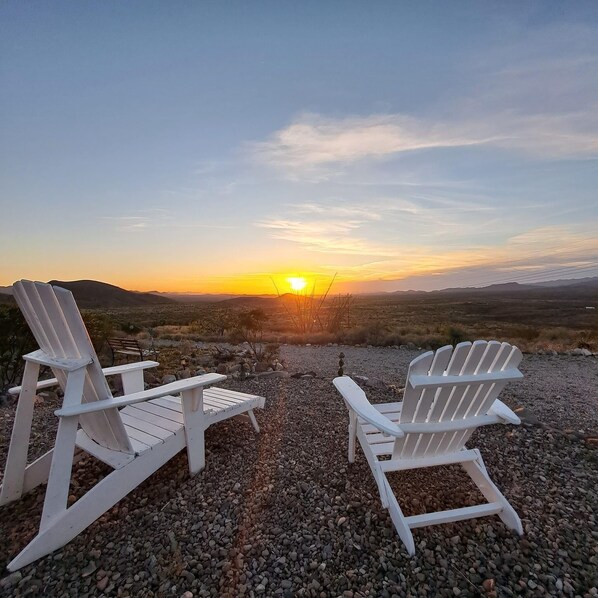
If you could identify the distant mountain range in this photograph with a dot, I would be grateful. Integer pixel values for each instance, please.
(567, 286)
(94, 294)
(207, 297)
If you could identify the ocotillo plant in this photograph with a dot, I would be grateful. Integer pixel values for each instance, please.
(307, 308)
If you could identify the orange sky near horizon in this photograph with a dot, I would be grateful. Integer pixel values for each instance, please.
(549, 253)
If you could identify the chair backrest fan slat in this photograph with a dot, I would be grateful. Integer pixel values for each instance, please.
(58, 328)
(450, 402)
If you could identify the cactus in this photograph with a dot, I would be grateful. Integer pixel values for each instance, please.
(341, 363)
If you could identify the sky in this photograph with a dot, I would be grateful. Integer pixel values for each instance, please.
(218, 146)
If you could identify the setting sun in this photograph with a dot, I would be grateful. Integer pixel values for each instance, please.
(297, 284)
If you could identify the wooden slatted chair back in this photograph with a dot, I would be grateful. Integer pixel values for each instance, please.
(443, 401)
(58, 328)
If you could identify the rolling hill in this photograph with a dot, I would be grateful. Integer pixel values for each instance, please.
(93, 294)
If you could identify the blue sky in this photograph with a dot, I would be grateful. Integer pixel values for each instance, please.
(207, 145)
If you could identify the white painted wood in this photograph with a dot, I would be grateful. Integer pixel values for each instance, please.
(66, 364)
(417, 404)
(399, 520)
(478, 473)
(115, 459)
(504, 413)
(357, 401)
(37, 473)
(57, 491)
(195, 425)
(132, 382)
(418, 382)
(452, 515)
(138, 397)
(140, 414)
(92, 505)
(57, 325)
(352, 435)
(14, 475)
(15, 390)
(253, 420)
(448, 395)
(111, 371)
(162, 412)
(435, 461)
(151, 428)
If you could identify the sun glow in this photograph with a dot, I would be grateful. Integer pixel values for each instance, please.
(297, 284)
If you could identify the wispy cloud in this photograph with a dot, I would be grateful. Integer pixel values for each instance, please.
(325, 236)
(337, 211)
(158, 218)
(555, 251)
(312, 143)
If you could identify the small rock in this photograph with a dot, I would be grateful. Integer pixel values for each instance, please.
(11, 580)
(101, 585)
(489, 585)
(87, 571)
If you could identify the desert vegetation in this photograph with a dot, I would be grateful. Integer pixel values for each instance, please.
(259, 325)
(534, 324)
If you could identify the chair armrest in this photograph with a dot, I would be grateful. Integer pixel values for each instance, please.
(112, 371)
(145, 395)
(129, 367)
(357, 401)
(15, 390)
(506, 415)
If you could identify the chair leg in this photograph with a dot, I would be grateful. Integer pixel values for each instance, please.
(254, 423)
(16, 462)
(398, 519)
(59, 479)
(195, 426)
(352, 435)
(104, 495)
(478, 473)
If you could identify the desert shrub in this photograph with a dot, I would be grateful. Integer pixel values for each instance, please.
(249, 328)
(100, 327)
(432, 342)
(271, 352)
(521, 332)
(455, 336)
(214, 323)
(587, 340)
(130, 328)
(15, 341)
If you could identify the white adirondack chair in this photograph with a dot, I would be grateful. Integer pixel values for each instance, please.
(448, 395)
(135, 434)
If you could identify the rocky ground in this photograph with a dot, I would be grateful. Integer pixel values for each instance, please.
(284, 514)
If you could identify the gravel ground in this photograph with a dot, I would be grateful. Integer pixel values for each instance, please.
(284, 514)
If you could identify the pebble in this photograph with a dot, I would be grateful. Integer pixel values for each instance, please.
(284, 514)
